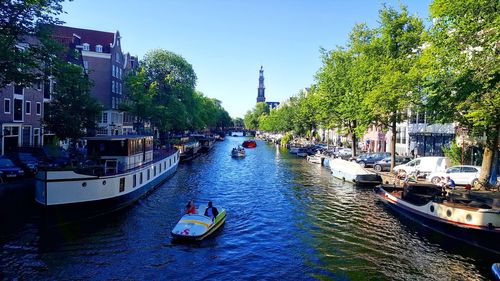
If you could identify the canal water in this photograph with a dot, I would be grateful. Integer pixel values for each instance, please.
(287, 219)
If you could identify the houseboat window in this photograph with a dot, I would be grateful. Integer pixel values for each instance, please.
(135, 181)
(122, 184)
(159, 167)
(84, 184)
(170, 162)
(154, 171)
(165, 165)
(140, 179)
(149, 173)
(103, 182)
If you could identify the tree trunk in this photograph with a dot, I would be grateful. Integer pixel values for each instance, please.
(488, 157)
(353, 138)
(393, 143)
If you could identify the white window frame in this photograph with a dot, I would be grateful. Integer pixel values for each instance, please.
(86, 47)
(113, 70)
(10, 106)
(113, 86)
(104, 117)
(27, 106)
(38, 105)
(98, 48)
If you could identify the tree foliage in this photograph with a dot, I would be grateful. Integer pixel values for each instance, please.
(72, 112)
(162, 92)
(462, 68)
(24, 43)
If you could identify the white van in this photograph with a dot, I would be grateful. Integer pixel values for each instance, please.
(425, 165)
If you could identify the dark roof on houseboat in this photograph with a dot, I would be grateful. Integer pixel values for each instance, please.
(116, 138)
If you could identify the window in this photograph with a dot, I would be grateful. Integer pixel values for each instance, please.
(38, 108)
(113, 102)
(38, 85)
(140, 179)
(98, 48)
(113, 70)
(453, 170)
(86, 46)
(469, 170)
(113, 86)
(18, 89)
(28, 107)
(135, 181)
(6, 105)
(120, 73)
(120, 88)
(104, 117)
(18, 110)
(149, 174)
(117, 58)
(46, 90)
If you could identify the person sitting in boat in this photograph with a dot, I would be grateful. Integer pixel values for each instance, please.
(211, 211)
(450, 183)
(190, 208)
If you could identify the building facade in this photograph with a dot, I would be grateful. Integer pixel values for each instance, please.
(105, 64)
(22, 110)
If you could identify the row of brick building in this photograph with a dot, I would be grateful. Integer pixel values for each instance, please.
(100, 54)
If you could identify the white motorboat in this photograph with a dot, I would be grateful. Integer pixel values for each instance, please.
(198, 226)
(316, 158)
(238, 152)
(353, 172)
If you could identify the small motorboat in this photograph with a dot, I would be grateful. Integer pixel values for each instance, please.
(316, 158)
(238, 152)
(198, 226)
(353, 172)
(249, 144)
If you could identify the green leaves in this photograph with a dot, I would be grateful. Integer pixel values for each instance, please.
(163, 92)
(73, 111)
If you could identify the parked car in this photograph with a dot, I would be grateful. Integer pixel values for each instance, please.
(9, 170)
(369, 159)
(462, 175)
(25, 160)
(385, 164)
(343, 153)
(425, 165)
(48, 157)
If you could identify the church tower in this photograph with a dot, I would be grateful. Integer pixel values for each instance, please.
(260, 92)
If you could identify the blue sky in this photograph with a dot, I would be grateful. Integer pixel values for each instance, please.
(227, 41)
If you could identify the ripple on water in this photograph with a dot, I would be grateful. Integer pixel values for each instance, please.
(286, 219)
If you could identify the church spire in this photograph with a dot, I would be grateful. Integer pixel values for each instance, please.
(260, 92)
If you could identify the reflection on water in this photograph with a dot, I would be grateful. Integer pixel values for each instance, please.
(286, 219)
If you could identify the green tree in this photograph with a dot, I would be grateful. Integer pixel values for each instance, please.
(170, 80)
(72, 112)
(24, 44)
(462, 68)
(393, 55)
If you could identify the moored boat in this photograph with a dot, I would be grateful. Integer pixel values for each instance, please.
(459, 217)
(120, 170)
(238, 152)
(316, 158)
(353, 172)
(206, 142)
(198, 226)
(249, 144)
(188, 149)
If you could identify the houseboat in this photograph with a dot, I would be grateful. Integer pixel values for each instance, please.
(465, 218)
(119, 170)
(188, 148)
(206, 142)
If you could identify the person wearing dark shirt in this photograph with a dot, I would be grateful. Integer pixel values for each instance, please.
(211, 211)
